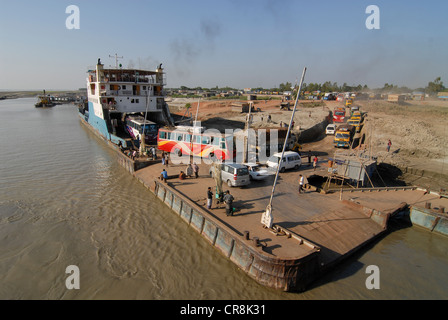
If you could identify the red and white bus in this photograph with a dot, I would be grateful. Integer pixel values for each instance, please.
(186, 141)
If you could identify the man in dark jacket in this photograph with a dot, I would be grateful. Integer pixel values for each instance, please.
(228, 199)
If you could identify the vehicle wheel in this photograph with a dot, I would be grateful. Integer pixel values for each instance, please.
(282, 169)
(178, 152)
(296, 167)
(229, 183)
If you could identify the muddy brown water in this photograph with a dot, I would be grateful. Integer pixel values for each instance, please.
(65, 201)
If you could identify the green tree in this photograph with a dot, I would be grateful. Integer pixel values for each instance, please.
(435, 86)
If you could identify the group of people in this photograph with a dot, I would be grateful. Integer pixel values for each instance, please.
(315, 160)
(227, 199)
(191, 169)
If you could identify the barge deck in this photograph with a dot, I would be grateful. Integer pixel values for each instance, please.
(312, 231)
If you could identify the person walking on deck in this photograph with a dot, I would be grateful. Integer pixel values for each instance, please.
(315, 163)
(228, 199)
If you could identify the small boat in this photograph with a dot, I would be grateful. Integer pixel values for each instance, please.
(44, 101)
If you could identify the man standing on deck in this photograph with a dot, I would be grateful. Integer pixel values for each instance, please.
(209, 198)
(301, 182)
(228, 199)
(195, 170)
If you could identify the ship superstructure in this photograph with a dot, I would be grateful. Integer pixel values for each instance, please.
(114, 95)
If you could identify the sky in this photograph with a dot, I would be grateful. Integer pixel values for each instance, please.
(240, 44)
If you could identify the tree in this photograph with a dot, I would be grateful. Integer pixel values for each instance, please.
(285, 87)
(435, 86)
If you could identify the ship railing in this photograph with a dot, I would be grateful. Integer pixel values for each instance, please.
(143, 93)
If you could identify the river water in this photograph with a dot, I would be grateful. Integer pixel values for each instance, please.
(64, 200)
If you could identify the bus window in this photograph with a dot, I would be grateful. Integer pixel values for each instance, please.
(179, 137)
(205, 140)
(215, 141)
(162, 134)
(197, 139)
(187, 138)
(168, 135)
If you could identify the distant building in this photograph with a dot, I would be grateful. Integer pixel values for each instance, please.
(419, 96)
(395, 98)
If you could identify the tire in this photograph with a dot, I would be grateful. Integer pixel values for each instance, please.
(178, 152)
(229, 183)
(296, 167)
(282, 169)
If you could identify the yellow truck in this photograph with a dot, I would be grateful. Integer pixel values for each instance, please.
(348, 102)
(356, 123)
(344, 136)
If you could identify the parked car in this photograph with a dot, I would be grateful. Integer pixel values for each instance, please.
(234, 174)
(331, 129)
(290, 160)
(257, 172)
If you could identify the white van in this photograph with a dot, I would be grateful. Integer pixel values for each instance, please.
(234, 174)
(290, 160)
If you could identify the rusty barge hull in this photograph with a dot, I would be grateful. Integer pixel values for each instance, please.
(284, 274)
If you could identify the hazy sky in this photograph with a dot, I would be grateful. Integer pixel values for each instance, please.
(208, 43)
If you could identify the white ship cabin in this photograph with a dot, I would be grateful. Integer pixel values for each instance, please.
(126, 90)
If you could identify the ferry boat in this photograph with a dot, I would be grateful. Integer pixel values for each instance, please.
(122, 104)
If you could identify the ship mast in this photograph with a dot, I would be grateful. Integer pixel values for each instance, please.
(116, 60)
